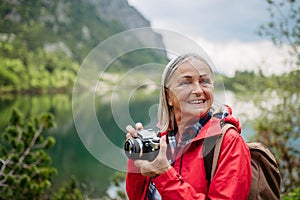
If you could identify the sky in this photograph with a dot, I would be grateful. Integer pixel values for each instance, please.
(225, 29)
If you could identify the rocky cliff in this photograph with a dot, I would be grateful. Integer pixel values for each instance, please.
(127, 15)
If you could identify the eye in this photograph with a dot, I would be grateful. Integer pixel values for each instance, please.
(205, 81)
(184, 82)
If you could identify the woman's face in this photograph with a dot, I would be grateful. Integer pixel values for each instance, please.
(191, 91)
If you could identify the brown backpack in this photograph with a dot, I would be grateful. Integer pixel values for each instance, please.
(265, 172)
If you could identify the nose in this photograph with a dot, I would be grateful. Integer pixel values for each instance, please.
(197, 89)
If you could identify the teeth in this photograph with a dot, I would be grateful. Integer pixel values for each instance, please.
(198, 101)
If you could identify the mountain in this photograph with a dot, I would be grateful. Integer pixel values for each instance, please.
(96, 20)
(121, 11)
(128, 16)
(42, 40)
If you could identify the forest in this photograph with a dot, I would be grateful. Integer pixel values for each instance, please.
(43, 43)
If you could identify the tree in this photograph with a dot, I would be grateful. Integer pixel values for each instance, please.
(278, 128)
(284, 26)
(25, 171)
(69, 191)
(279, 121)
(118, 183)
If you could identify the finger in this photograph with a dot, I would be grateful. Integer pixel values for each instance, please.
(131, 131)
(139, 126)
(161, 162)
(129, 128)
(163, 146)
(128, 136)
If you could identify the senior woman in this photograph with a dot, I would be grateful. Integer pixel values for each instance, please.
(186, 119)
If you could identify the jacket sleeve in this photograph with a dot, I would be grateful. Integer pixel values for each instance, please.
(171, 186)
(231, 181)
(136, 184)
(233, 176)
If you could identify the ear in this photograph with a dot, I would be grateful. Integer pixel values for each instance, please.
(169, 99)
(170, 103)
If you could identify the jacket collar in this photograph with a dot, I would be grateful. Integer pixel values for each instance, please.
(211, 128)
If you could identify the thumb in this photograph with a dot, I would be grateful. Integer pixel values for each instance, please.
(163, 145)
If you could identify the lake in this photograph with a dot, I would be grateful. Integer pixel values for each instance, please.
(77, 151)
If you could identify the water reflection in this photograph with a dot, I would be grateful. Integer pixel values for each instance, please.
(69, 155)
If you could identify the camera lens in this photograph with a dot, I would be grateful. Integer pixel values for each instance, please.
(133, 148)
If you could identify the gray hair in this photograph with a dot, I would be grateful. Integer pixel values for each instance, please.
(166, 118)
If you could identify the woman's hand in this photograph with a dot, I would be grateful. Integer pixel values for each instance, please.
(131, 132)
(160, 164)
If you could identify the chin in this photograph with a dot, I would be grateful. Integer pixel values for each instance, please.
(202, 114)
(196, 116)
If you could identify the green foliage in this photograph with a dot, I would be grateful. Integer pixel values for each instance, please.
(248, 83)
(136, 58)
(293, 195)
(117, 180)
(43, 42)
(241, 81)
(12, 74)
(25, 173)
(277, 97)
(69, 191)
(284, 26)
(277, 125)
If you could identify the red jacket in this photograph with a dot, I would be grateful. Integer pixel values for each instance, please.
(187, 179)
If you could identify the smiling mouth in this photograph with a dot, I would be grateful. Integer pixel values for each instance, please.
(197, 101)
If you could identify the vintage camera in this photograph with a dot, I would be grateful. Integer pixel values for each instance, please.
(143, 147)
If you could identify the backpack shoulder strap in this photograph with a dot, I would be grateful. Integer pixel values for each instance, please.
(208, 154)
(225, 128)
(212, 151)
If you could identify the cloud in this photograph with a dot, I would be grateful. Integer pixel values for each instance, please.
(214, 19)
(224, 29)
(238, 55)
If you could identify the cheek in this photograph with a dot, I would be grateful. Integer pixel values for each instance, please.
(210, 94)
(178, 96)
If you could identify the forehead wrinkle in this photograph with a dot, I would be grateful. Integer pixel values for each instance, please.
(194, 61)
(187, 63)
(191, 76)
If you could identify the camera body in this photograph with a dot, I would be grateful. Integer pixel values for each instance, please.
(143, 147)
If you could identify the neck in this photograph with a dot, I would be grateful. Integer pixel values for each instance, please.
(183, 123)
